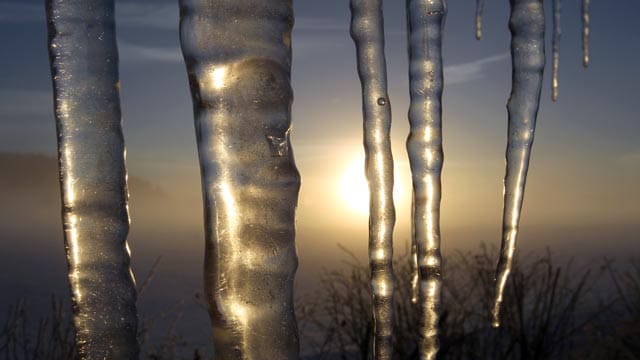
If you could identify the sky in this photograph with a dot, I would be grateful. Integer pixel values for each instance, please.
(582, 194)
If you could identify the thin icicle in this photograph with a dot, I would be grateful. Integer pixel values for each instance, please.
(91, 153)
(415, 278)
(424, 145)
(238, 58)
(527, 24)
(479, 12)
(586, 23)
(367, 31)
(557, 33)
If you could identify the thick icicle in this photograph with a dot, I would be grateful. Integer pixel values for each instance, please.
(238, 58)
(91, 153)
(479, 12)
(586, 23)
(367, 31)
(424, 145)
(528, 59)
(557, 33)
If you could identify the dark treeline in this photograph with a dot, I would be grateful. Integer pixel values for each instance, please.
(552, 310)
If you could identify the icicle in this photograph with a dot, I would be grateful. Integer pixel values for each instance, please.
(586, 21)
(238, 58)
(557, 33)
(84, 68)
(415, 278)
(367, 31)
(527, 54)
(479, 11)
(424, 145)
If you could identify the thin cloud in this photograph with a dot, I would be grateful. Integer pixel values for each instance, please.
(311, 35)
(462, 73)
(153, 15)
(323, 24)
(132, 53)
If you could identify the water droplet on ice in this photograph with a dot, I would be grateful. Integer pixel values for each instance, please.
(382, 101)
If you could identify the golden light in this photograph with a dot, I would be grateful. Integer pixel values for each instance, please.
(354, 189)
(218, 77)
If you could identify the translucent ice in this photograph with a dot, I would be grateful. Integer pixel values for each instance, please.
(557, 33)
(527, 24)
(479, 11)
(586, 24)
(424, 145)
(84, 68)
(367, 30)
(238, 59)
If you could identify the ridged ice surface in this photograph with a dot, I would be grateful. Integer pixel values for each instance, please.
(424, 145)
(586, 25)
(84, 67)
(527, 24)
(367, 31)
(238, 58)
(557, 33)
(415, 276)
(479, 12)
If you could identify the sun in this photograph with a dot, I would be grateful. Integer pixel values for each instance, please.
(354, 189)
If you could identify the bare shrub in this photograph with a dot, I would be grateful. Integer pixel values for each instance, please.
(547, 311)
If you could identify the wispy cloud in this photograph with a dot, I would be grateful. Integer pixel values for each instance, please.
(315, 36)
(151, 15)
(311, 35)
(158, 16)
(163, 15)
(325, 24)
(133, 53)
(462, 73)
(155, 16)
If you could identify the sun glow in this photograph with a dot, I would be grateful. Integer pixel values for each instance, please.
(354, 189)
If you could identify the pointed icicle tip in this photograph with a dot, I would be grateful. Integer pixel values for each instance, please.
(479, 12)
(557, 33)
(586, 24)
(495, 314)
(527, 23)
